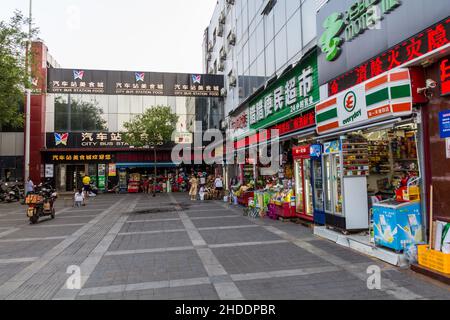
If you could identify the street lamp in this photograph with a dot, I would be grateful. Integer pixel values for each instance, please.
(153, 146)
(28, 104)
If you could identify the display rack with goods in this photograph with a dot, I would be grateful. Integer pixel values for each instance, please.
(356, 156)
(379, 157)
(134, 183)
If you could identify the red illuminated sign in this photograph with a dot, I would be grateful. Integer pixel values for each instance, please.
(296, 124)
(431, 39)
(445, 76)
(301, 152)
(240, 122)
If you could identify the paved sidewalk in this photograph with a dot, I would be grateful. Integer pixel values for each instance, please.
(139, 247)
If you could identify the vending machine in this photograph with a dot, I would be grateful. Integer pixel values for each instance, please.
(316, 151)
(303, 183)
(345, 169)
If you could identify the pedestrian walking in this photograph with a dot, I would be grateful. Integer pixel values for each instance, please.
(218, 183)
(86, 184)
(194, 187)
(79, 198)
(202, 192)
(146, 185)
(29, 186)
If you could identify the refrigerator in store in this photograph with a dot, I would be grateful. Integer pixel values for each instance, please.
(345, 169)
(317, 178)
(397, 225)
(303, 182)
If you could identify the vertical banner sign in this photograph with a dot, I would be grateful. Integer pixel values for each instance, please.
(101, 176)
(445, 76)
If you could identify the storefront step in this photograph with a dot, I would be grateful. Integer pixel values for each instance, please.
(361, 243)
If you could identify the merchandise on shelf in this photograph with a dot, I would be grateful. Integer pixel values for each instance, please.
(379, 157)
(134, 183)
(356, 156)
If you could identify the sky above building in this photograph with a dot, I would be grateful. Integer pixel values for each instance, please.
(134, 35)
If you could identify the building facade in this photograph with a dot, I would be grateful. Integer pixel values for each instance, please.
(251, 41)
(361, 108)
(78, 117)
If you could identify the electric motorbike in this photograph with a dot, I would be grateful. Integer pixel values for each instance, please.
(14, 194)
(41, 203)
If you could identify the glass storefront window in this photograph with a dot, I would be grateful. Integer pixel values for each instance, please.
(89, 113)
(79, 113)
(309, 10)
(281, 49)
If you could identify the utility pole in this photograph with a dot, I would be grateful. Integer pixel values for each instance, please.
(28, 104)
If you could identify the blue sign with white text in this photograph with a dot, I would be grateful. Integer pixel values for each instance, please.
(444, 124)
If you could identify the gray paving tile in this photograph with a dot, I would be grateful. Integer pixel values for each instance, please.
(119, 270)
(26, 249)
(341, 252)
(150, 241)
(266, 258)
(152, 226)
(220, 222)
(237, 235)
(36, 231)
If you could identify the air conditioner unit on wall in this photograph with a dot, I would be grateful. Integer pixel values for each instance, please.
(222, 17)
(232, 39)
(220, 30)
(230, 2)
(223, 53)
(210, 46)
(223, 92)
(221, 66)
(232, 81)
(209, 57)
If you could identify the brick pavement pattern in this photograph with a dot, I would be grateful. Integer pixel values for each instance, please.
(136, 247)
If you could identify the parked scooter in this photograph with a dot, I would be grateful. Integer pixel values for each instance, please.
(115, 189)
(41, 203)
(10, 192)
(14, 194)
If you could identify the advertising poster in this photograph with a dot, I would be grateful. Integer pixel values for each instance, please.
(101, 176)
(49, 171)
(112, 170)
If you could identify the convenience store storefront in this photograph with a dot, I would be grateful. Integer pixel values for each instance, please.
(371, 138)
(398, 144)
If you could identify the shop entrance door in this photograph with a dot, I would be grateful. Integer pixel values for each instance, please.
(74, 176)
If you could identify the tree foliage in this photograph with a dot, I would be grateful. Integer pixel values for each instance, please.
(155, 126)
(14, 77)
(84, 116)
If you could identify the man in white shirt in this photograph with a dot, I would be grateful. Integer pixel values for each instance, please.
(29, 186)
(218, 183)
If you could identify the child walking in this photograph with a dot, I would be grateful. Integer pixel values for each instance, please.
(79, 198)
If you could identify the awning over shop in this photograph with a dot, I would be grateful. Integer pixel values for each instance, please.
(146, 165)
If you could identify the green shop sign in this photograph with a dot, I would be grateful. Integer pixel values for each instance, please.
(361, 16)
(294, 93)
